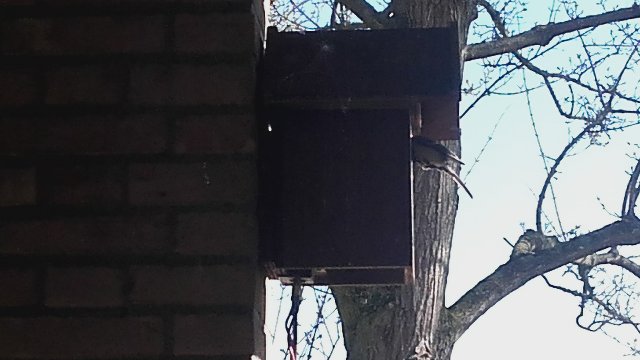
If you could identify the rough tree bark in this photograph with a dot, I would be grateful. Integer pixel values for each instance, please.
(405, 323)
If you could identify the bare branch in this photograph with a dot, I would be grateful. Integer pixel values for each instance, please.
(585, 296)
(499, 23)
(592, 67)
(613, 314)
(518, 271)
(483, 149)
(560, 288)
(611, 258)
(512, 67)
(552, 172)
(388, 10)
(544, 159)
(632, 192)
(365, 12)
(542, 34)
(488, 89)
(304, 13)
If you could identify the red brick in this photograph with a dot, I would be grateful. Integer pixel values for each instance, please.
(118, 3)
(143, 134)
(73, 338)
(193, 84)
(217, 84)
(22, 35)
(215, 134)
(83, 287)
(17, 187)
(85, 84)
(201, 285)
(19, 287)
(150, 84)
(213, 335)
(98, 235)
(88, 184)
(206, 182)
(205, 2)
(84, 35)
(16, 2)
(217, 234)
(18, 87)
(212, 33)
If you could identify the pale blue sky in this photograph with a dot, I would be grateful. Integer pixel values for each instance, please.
(534, 322)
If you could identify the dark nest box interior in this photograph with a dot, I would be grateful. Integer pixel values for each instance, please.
(336, 111)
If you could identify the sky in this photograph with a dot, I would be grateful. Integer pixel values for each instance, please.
(535, 321)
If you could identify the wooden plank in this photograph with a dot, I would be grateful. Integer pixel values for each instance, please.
(338, 190)
(361, 64)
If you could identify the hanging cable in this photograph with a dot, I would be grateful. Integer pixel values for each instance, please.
(291, 323)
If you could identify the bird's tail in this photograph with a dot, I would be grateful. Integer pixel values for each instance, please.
(457, 180)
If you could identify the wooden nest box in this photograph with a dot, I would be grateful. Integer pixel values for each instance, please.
(335, 194)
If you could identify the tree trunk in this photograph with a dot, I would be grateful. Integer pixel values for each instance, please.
(408, 322)
(402, 323)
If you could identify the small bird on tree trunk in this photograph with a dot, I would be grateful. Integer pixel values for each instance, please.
(431, 155)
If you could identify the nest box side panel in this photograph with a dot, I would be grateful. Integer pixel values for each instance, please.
(343, 189)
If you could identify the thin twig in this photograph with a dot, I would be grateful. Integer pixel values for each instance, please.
(553, 171)
(543, 156)
(484, 147)
(593, 69)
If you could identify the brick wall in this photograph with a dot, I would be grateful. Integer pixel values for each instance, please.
(128, 180)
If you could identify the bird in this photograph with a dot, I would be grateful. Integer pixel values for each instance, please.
(532, 242)
(431, 155)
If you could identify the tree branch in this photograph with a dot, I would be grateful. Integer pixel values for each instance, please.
(542, 34)
(631, 193)
(365, 12)
(611, 258)
(518, 271)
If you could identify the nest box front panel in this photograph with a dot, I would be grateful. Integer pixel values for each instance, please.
(342, 188)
